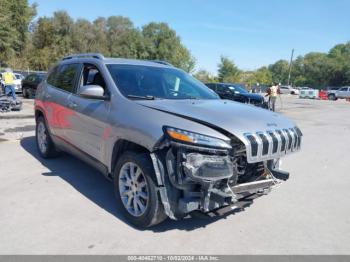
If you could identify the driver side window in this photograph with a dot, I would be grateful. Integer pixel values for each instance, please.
(91, 75)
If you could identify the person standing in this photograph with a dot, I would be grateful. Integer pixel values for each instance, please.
(272, 93)
(9, 80)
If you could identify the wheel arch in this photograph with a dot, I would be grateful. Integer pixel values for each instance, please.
(38, 112)
(123, 145)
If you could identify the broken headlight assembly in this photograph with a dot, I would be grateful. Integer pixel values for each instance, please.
(188, 137)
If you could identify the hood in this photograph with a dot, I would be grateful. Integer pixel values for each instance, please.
(234, 117)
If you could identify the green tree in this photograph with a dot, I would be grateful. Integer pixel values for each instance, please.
(15, 16)
(339, 65)
(204, 76)
(228, 71)
(82, 36)
(262, 76)
(316, 70)
(279, 71)
(51, 40)
(123, 39)
(162, 43)
(100, 40)
(20, 16)
(6, 33)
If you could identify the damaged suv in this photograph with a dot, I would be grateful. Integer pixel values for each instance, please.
(170, 145)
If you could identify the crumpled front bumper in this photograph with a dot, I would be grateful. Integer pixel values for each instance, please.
(197, 181)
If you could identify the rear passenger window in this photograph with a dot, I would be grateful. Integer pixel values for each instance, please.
(64, 77)
(52, 76)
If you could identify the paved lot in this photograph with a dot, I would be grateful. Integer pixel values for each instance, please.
(62, 206)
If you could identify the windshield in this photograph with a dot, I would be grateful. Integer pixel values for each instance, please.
(139, 82)
(40, 77)
(237, 88)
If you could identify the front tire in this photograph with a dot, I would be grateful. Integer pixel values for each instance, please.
(44, 142)
(136, 191)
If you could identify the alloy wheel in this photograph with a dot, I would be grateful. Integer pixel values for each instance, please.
(133, 189)
(42, 137)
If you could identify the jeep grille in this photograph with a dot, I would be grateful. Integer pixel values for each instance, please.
(272, 144)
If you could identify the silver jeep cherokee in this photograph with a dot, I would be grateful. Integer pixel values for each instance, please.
(170, 145)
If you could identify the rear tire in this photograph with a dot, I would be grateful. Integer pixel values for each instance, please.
(24, 93)
(44, 143)
(135, 190)
(31, 93)
(332, 97)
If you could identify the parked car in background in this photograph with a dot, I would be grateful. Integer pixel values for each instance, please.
(18, 82)
(331, 92)
(237, 93)
(295, 91)
(289, 90)
(30, 84)
(332, 88)
(285, 89)
(343, 92)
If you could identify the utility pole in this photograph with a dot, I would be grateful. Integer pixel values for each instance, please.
(290, 66)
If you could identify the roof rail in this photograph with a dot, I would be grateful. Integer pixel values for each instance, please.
(87, 55)
(162, 62)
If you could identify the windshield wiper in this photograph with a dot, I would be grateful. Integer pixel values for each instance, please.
(142, 97)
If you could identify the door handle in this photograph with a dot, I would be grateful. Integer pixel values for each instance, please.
(72, 105)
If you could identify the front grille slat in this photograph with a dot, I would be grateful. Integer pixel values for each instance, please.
(272, 144)
(299, 135)
(296, 138)
(265, 143)
(283, 139)
(253, 144)
(289, 139)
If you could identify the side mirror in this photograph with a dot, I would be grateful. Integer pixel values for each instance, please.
(92, 92)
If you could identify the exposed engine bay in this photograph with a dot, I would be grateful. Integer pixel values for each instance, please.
(193, 178)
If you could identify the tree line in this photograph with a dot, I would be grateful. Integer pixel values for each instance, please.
(315, 69)
(37, 44)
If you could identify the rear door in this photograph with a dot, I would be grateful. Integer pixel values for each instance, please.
(60, 85)
(88, 125)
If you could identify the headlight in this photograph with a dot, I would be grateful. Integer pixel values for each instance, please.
(195, 138)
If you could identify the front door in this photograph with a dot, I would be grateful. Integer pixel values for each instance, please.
(342, 92)
(89, 128)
